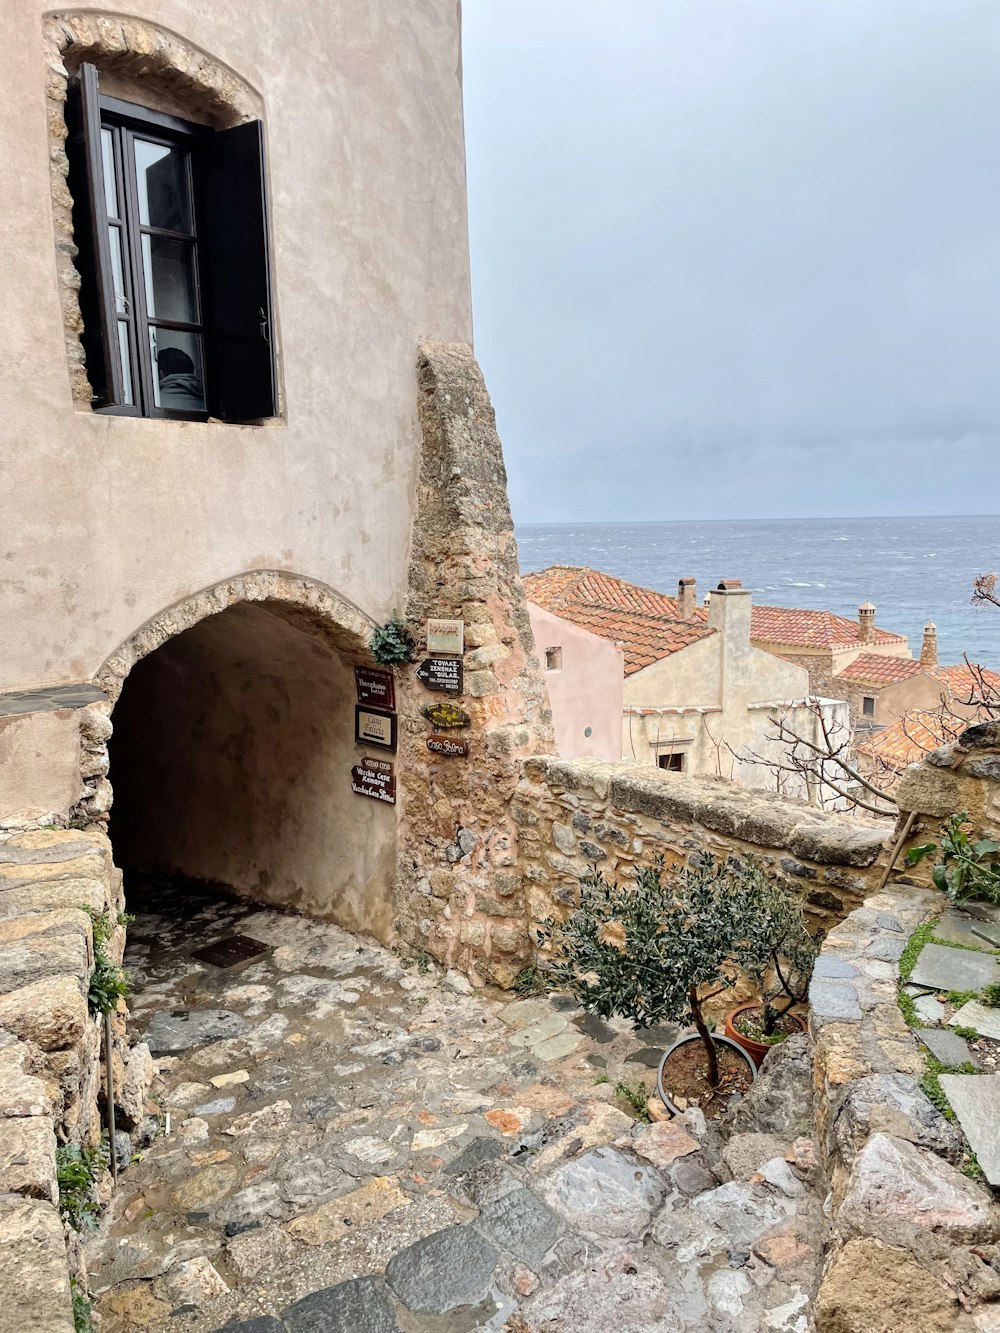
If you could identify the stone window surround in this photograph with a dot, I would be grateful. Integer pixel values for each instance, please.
(175, 70)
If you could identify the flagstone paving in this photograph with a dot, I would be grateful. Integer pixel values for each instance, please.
(357, 1146)
(947, 968)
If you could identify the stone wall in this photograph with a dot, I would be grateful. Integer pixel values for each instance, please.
(906, 1227)
(459, 889)
(572, 814)
(51, 1067)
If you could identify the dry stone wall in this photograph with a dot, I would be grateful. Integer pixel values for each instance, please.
(574, 814)
(51, 1069)
(460, 887)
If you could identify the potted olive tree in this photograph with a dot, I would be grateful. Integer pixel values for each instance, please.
(775, 950)
(659, 949)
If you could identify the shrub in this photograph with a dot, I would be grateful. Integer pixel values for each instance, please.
(77, 1168)
(392, 644)
(967, 868)
(109, 983)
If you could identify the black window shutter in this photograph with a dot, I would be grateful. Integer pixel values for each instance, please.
(236, 268)
(90, 234)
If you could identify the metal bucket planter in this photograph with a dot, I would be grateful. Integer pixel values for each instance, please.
(719, 1041)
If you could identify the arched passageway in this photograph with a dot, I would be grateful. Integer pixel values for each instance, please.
(230, 762)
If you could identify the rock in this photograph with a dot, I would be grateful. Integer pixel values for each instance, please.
(425, 1139)
(833, 1000)
(28, 1158)
(33, 1275)
(170, 1032)
(945, 968)
(731, 1217)
(550, 1026)
(134, 1304)
(217, 1107)
(829, 966)
(268, 1120)
(745, 1154)
(778, 1173)
(194, 1282)
(445, 1270)
(928, 1008)
(895, 1187)
(193, 1130)
(948, 1047)
(52, 1013)
(660, 1143)
(45, 945)
(604, 1193)
(360, 1208)
(206, 1187)
(257, 1249)
(780, 1101)
(370, 1149)
(960, 928)
(359, 1306)
(23, 1095)
(473, 1155)
(557, 1048)
(692, 1177)
(982, 1017)
(184, 1094)
(894, 1104)
(521, 1224)
(230, 1080)
(131, 1096)
(781, 1249)
(975, 1099)
(873, 1288)
(523, 1013)
(616, 1292)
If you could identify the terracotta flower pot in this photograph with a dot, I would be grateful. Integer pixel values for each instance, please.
(719, 1041)
(756, 1049)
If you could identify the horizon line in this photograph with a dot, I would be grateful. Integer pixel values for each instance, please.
(802, 518)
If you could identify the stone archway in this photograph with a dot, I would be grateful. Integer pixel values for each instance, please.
(232, 744)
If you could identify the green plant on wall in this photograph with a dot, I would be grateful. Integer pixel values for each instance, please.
(392, 644)
(77, 1168)
(109, 982)
(968, 867)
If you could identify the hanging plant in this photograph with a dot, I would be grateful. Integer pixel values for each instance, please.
(392, 644)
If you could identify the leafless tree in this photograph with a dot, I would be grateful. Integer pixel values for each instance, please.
(984, 590)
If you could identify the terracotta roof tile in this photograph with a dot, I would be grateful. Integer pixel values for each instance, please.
(646, 623)
(909, 739)
(965, 683)
(878, 670)
(809, 629)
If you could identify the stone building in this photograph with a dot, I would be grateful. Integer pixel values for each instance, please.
(697, 696)
(227, 460)
(822, 642)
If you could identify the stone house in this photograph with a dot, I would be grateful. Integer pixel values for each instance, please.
(822, 642)
(231, 453)
(696, 694)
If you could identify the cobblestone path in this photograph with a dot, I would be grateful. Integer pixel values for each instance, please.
(359, 1146)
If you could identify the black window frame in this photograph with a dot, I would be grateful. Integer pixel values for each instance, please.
(230, 268)
(867, 705)
(128, 122)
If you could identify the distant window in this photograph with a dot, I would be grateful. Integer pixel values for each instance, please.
(868, 706)
(553, 659)
(673, 763)
(588, 731)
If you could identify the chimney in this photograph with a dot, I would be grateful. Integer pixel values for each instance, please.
(687, 598)
(866, 622)
(729, 614)
(928, 649)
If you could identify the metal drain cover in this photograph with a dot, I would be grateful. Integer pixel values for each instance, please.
(229, 952)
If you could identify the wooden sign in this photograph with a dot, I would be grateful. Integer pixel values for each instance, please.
(375, 778)
(375, 687)
(453, 746)
(374, 726)
(446, 716)
(446, 636)
(442, 673)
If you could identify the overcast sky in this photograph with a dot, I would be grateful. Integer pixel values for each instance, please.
(738, 257)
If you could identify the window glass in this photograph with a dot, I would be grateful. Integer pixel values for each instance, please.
(110, 179)
(164, 187)
(115, 242)
(126, 361)
(168, 268)
(178, 377)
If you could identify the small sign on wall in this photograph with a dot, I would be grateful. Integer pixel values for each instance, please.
(446, 636)
(442, 673)
(447, 716)
(375, 687)
(452, 746)
(375, 726)
(375, 778)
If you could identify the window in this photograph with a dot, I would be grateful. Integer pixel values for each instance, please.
(170, 220)
(553, 659)
(868, 706)
(673, 763)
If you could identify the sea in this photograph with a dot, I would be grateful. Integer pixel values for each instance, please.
(913, 569)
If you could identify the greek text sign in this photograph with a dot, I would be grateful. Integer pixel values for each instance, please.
(375, 726)
(452, 746)
(446, 636)
(375, 778)
(446, 716)
(442, 673)
(375, 687)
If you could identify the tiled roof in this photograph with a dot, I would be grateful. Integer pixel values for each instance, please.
(911, 738)
(809, 629)
(963, 683)
(560, 584)
(646, 623)
(878, 670)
